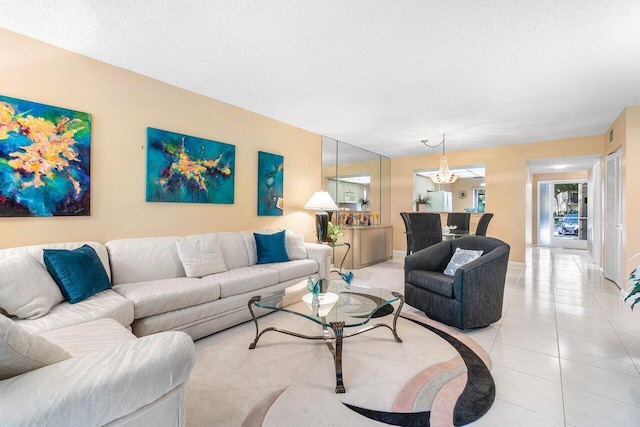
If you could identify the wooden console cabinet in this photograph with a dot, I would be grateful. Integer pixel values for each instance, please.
(369, 245)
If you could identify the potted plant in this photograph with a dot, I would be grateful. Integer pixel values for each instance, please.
(634, 279)
(422, 202)
(365, 204)
(334, 231)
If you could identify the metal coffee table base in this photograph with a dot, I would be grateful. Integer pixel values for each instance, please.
(338, 336)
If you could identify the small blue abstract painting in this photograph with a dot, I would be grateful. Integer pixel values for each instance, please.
(187, 169)
(44, 160)
(270, 184)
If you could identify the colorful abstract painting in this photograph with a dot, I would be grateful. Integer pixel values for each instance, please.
(187, 169)
(44, 160)
(270, 184)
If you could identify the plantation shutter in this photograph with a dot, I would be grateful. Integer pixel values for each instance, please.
(613, 218)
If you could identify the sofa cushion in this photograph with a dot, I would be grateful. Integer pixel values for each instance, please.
(433, 281)
(144, 259)
(160, 296)
(36, 251)
(78, 273)
(271, 247)
(103, 305)
(293, 269)
(234, 249)
(26, 288)
(295, 245)
(200, 256)
(89, 337)
(244, 279)
(219, 312)
(21, 351)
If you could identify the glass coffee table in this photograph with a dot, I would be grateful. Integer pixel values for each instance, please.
(341, 306)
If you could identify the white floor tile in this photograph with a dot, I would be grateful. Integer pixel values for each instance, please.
(529, 392)
(598, 356)
(581, 299)
(578, 310)
(526, 361)
(507, 414)
(587, 409)
(547, 344)
(613, 385)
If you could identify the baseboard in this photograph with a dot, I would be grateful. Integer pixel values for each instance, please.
(623, 294)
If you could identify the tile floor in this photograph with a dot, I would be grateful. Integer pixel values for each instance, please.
(567, 349)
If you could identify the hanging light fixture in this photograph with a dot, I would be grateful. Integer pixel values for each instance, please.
(444, 175)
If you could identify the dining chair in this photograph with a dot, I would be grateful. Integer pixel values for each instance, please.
(426, 230)
(460, 220)
(407, 227)
(481, 229)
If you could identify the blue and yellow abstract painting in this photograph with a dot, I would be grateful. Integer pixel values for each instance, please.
(270, 184)
(187, 169)
(44, 160)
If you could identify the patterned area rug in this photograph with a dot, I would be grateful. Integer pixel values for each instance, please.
(436, 377)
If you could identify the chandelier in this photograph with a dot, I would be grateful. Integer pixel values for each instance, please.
(444, 175)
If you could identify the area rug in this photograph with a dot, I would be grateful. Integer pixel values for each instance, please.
(436, 377)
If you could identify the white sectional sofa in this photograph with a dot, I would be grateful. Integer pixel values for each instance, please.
(113, 373)
(149, 273)
(107, 376)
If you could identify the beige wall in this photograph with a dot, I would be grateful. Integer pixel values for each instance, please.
(631, 195)
(561, 176)
(506, 177)
(122, 105)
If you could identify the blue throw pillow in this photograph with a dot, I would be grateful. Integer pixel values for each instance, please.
(78, 273)
(271, 247)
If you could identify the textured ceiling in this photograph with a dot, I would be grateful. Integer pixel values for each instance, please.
(382, 75)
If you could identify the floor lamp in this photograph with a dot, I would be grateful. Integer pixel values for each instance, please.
(321, 202)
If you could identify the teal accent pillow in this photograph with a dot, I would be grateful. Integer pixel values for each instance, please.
(78, 273)
(271, 247)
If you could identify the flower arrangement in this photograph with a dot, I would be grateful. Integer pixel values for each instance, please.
(334, 231)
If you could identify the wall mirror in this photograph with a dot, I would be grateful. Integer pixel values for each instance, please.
(357, 179)
(467, 194)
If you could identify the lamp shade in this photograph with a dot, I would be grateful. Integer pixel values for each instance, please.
(321, 201)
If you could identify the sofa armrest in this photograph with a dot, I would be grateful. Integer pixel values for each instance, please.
(483, 278)
(100, 387)
(432, 258)
(322, 254)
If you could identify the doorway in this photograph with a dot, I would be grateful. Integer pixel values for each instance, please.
(562, 214)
